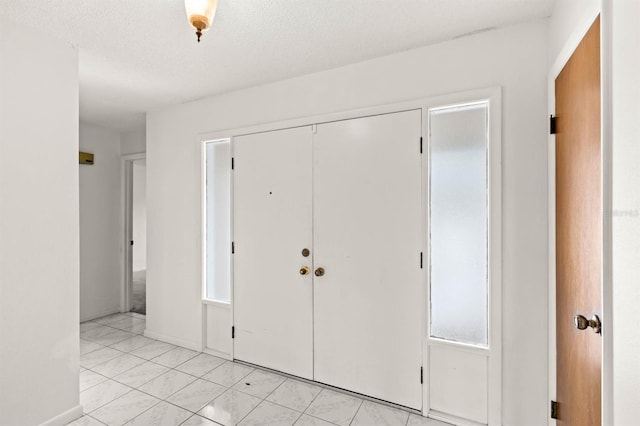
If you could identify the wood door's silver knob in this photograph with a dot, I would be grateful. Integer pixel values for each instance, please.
(582, 323)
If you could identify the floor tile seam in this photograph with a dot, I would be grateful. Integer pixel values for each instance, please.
(93, 418)
(214, 422)
(154, 363)
(318, 418)
(275, 403)
(124, 371)
(221, 384)
(173, 393)
(407, 422)
(101, 347)
(134, 349)
(110, 401)
(111, 359)
(276, 388)
(178, 365)
(311, 403)
(151, 359)
(357, 411)
(139, 414)
(201, 376)
(250, 411)
(264, 400)
(207, 380)
(186, 409)
(101, 375)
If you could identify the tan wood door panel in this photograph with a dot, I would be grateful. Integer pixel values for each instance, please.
(579, 233)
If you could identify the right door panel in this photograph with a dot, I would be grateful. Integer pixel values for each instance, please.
(367, 237)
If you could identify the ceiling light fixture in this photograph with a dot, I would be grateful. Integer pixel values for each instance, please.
(200, 14)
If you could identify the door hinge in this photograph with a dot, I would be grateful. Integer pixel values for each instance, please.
(420, 144)
(421, 263)
(554, 410)
(233, 247)
(552, 124)
(232, 163)
(421, 375)
(131, 242)
(233, 332)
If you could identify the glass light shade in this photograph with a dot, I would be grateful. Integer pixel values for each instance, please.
(200, 13)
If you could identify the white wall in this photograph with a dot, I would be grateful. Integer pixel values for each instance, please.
(38, 228)
(625, 116)
(514, 58)
(139, 215)
(567, 16)
(100, 223)
(134, 141)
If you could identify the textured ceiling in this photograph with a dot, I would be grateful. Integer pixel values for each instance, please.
(140, 55)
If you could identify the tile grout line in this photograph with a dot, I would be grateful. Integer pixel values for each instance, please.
(196, 378)
(357, 411)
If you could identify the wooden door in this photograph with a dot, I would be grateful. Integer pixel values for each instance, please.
(367, 238)
(579, 233)
(272, 225)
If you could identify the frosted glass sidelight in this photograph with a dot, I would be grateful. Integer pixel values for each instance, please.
(218, 221)
(458, 223)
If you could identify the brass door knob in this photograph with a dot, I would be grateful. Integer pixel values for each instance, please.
(305, 252)
(582, 323)
(319, 272)
(305, 270)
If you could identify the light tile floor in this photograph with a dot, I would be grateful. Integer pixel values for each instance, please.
(126, 378)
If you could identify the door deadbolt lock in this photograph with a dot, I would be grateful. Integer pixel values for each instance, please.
(319, 272)
(305, 252)
(582, 323)
(305, 270)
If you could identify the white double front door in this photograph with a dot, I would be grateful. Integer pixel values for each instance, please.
(349, 192)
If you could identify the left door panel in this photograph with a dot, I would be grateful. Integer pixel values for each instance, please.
(272, 225)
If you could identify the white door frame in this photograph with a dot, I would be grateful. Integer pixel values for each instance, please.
(126, 190)
(574, 39)
(494, 95)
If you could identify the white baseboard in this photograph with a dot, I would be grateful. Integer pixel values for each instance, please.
(173, 340)
(64, 418)
(451, 419)
(223, 355)
(101, 314)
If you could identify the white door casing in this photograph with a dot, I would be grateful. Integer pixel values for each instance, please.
(272, 225)
(367, 237)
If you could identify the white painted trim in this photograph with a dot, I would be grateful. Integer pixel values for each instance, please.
(494, 204)
(219, 354)
(203, 241)
(495, 258)
(103, 313)
(126, 194)
(574, 39)
(494, 96)
(414, 104)
(173, 340)
(223, 305)
(426, 297)
(454, 420)
(202, 145)
(65, 417)
(607, 210)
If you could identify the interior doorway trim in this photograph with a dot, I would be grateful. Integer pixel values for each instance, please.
(126, 191)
